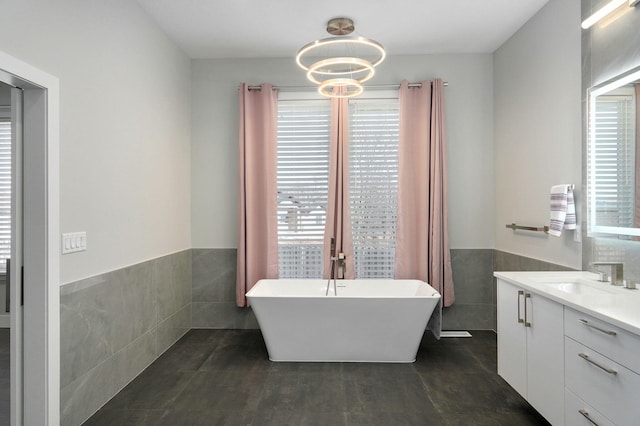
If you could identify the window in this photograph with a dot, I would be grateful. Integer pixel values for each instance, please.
(303, 178)
(373, 187)
(303, 182)
(5, 191)
(613, 160)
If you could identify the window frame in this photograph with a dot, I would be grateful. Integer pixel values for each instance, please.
(304, 251)
(369, 97)
(374, 249)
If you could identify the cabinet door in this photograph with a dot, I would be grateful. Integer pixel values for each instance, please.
(545, 357)
(512, 344)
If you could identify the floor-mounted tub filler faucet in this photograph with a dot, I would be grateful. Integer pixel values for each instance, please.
(616, 269)
(336, 261)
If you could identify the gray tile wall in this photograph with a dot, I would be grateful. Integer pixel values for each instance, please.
(504, 261)
(608, 51)
(214, 272)
(475, 307)
(214, 291)
(114, 325)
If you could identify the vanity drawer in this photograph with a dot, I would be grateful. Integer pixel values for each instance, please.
(579, 413)
(609, 340)
(611, 392)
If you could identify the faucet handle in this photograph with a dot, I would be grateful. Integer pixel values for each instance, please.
(602, 276)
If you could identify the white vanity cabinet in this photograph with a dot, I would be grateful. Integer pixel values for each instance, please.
(602, 366)
(569, 343)
(531, 348)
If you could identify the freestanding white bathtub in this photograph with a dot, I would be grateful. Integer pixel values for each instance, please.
(366, 321)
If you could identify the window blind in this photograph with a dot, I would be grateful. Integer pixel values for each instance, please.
(303, 182)
(5, 192)
(373, 186)
(613, 157)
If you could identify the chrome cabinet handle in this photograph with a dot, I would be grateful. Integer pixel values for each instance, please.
(586, 358)
(520, 293)
(586, 415)
(602, 330)
(526, 323)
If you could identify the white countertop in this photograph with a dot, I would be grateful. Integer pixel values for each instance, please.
(614, 304)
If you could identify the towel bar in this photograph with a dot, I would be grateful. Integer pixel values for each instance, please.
(544, 229)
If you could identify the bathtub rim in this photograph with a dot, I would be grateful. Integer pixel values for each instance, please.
(256, 288)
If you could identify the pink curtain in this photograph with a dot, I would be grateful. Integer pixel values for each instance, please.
(338, 222)
(258, 209)
(422, 234)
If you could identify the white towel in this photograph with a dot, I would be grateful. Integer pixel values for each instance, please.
(563, 209)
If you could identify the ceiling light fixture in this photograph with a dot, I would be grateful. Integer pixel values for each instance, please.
(606, 10)
(340, 64)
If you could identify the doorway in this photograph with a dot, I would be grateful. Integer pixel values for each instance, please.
(34, 279)
(6, 230)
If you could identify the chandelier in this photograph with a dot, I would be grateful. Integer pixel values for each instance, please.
(340, 64)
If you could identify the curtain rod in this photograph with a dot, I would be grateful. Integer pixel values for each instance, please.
(313, 88)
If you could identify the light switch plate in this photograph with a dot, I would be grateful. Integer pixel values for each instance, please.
(73, 242)
(577, 234)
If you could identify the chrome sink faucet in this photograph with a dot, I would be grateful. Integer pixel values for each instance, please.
(617, 274)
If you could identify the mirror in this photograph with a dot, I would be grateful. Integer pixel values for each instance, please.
(613, 156)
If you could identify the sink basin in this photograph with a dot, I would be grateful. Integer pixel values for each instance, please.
(578, 288)
(575, 285)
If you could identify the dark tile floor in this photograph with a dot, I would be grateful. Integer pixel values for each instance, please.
(224, 377)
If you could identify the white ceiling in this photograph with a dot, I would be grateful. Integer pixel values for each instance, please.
(278, 28)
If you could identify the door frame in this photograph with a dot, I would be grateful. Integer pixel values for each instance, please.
(40, 378)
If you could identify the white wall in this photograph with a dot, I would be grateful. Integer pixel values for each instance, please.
(125, 126)
(469, 109)
(538, 130)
